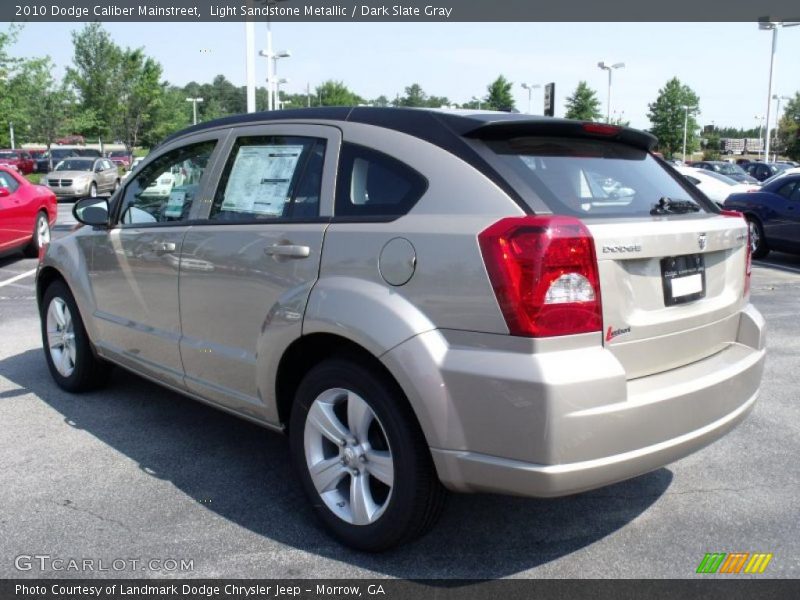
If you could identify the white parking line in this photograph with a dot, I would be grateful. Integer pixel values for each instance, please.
(17, 278)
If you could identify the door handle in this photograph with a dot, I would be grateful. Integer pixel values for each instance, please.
(163, 247)
(288, 250)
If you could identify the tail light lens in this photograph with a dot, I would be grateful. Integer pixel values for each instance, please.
(748, 265)
(544, 274)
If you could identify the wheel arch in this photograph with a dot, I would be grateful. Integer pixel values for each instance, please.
(309, 350)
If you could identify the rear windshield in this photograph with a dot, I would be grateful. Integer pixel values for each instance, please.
(75, 165)
(587, 178)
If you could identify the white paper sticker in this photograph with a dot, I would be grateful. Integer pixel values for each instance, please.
(260, 179)
(683, 286)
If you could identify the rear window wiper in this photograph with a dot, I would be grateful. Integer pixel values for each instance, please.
(668, 206)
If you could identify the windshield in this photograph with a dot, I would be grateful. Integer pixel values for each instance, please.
(721, 178)
(589, 178)
(117, 154)
(75, 164)
(11, 155)
(781, 174)
(729, 169)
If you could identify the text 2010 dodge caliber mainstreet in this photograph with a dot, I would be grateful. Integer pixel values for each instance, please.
(424, 300)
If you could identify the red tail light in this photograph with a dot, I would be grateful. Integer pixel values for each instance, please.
(544, 274)
(601, 129)
(748, 265)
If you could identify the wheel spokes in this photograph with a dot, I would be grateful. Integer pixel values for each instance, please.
(359, 416)
(325, 421)
(362, 506)
(379, 465)
(327, 474)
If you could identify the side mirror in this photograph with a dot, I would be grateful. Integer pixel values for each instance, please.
(91, 211)
(4, 192)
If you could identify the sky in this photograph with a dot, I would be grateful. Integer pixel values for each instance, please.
(726, 64)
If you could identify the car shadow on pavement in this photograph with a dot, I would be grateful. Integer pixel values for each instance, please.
(242, 473)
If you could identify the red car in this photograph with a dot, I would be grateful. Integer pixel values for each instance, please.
(27, 212)
(121, 158)
(18, 158)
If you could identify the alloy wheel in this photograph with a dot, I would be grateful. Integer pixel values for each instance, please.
(348, 456)
(42, 232)
(61, 337)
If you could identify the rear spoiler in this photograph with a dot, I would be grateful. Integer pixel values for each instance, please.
(505, 129)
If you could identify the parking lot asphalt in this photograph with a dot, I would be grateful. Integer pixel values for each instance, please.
(134, 472)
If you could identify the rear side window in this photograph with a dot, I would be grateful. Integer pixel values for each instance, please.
(373, 184)
(586, 177)
(7, 181)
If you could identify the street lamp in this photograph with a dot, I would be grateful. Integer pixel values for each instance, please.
(530, 87)
(766, 24)
(194, 102)
(760, 119)
(278, 84)
(478, 100)
(778, 99)
(609, 68)
(685, 128)
(272, 68)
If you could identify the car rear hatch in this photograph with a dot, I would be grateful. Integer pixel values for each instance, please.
(671, 268)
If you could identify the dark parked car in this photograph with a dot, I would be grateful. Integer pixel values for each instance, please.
(762, 171)
(773, 214)
(735, 172)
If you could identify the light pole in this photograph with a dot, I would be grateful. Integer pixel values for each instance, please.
(272, 69)
(530, 87)
(760, 119)
(685, 128)
(11, 133)
(478, 100)
(609, 68)
(194, 102)
(767, 25)
(278, 84)
(778, 99)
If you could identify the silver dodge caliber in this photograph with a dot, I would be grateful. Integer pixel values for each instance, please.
(423, 300)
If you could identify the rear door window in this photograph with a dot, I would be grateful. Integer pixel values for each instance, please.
(589, 178)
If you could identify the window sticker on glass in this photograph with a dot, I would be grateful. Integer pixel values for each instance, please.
(260, 179)
(174, 207)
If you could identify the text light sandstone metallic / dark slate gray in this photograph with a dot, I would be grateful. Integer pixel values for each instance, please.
(424, 300)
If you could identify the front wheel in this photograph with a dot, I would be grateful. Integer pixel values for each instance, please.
(41, 236)
(758, 243)
(362, 458)
(93, 190)
(69, 355)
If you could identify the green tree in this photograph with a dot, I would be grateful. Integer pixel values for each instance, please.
(381, 101)
(583, 104)
(96, 76)
(139, 95)
(499, 95)
(667, 116)
(336, 93)
(789, 129)
(414, 97)
(171, 114)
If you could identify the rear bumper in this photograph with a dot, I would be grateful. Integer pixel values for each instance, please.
(560, 422)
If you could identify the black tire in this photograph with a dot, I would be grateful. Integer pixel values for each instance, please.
(89, 372)
(32, 249)
(758, 243)
(416, 498)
